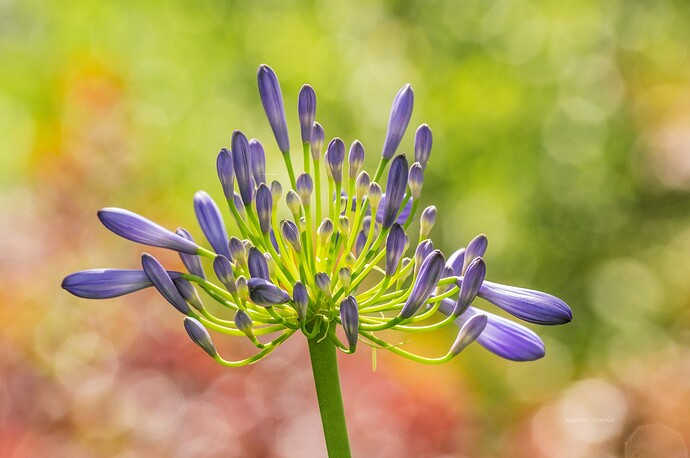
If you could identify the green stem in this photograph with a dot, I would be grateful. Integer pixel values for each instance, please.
(325, 368)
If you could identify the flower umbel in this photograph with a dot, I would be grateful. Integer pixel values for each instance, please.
(342, 260)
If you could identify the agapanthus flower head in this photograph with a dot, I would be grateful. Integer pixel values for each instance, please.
(344, 259)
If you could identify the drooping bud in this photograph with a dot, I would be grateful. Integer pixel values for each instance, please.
(427, 221)
(323, 282)
(276, 191)
(243, 171)
(415, 180)
(475, 249)
(344, 225)
(374, 195)
(244, 323)
(395, 190)
(226, 173)
(264, 207)
(469, 332)
(306, 108)
(362, 185)
(349, 315)
(527, 304)
(163, 283)
(305, 186)
(107, 283)
(294, 203)
(242, 288)
(355, 158)
(469, 287)
(325, 230)
(200, 336)
(335, 158)
(425, 283)
(223, 270)
(291, 234)
(257, 160)
(258, 267)
(422, 145)
(191, 261)
(238, 251)
(272, 100)
(188, 292)
(395, 247)
(300, 297)
(345, 277)
(265, 293)
(401, 112)
(318, 137)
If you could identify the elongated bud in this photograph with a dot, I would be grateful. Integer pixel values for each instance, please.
(191, 261)
(457, 260)
(258, 267)
(349, 315)
(163, 283)
(242, 163)
(422, 145)
(276, 192)
(291, 234)
(242, 288)
(244, 323)
(239, 205)
(211, 222)
(469, 287)
(427, 221)
(355, 158)
(475, 249)
(395, 247)
(200, 336)
(323, 282)
(425, 283)
(264, 207)
(294, 203)
(469, 333)
(300, 297)
(306, 107)
(305, 186)
(265, 293)
(527, 304)
(345, 277)
(318, 137)
(415, 180)
(395, 190)
(360, 241)
(138, 229)
(362, 185)
(374, 195)
(238, 251)
(107, 283)
(272, 100)
(325, 230)
(423, 250)
(344, 225)
(257, 160)
(223, 270)
(335, 158)
(188, 293)
(401, 112)
(447, 273)
(226, 173)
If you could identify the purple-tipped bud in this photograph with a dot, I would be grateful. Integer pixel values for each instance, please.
(239, 205)
(323, 282)
(395, 190)
(242, 288)
(291, 234)
(305, 186)
(355, 159)
(294, 203)
(349, 315)
(374, 195)
(276, 191)
(306, 107)
(344, 225)
(362, 185)
(243, 170)
(265, 293)
(257, 160)
(424, 248)
(106, 283)
(300, 297)
(211, 222)
(335, 156)
(395, 247)
(422, 145)
(238, 251)
(188, 292)
(244, 322)
(325, 230)
(425, 283)
(272, 100)
(456, 261)
(527, 304)
(469, 332)
(475, 249)
(401, 112)
(469, 287)
(226, 172)
(360, 241)
(191, 261)
(163, 283)
(258, 267)
(223, 270)
(345, 276)
(138, 229)
(200, 336)
(318, 137)
(427, 222)
(264, 207)
(415, 180)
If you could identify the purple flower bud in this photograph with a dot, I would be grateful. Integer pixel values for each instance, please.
(415, 180)
(362, 185)
(138, 229)
(475, 249)
(211, 222)
(457, 260)
(355, 159)
(243, 170)
(291, 234)
(163, 283)
(344, 225)
(360, 241)
(469, 287)
(325, 230)
(469, 332)
(374, 194)
(349, 315)
(200, 336)
(301, 299)
(305, 186)
(272, 100)
(188, 292)
(107, 283)
(527, 304)
(306, 107)
(424, 249)
(258, 267)
(257, 161)
(395, 247)
(402, 216)
(318, 137)
(395, 190)
(238, 251)
(239, 205)
(191, 261)
(244, 322)
(294, 203)
(264, 207)
(401, 112)
(335, 156)
(323, 282)
(226, 172)
(223, 270)
(425, 283)
(422, 145)
(276, 191)
(265, 293)
(427, 222)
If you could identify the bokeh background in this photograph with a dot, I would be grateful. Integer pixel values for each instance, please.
(561, 130)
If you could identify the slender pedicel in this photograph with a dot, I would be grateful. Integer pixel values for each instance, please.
(401, 112)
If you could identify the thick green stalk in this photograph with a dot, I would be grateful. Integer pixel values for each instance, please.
(325, 368)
